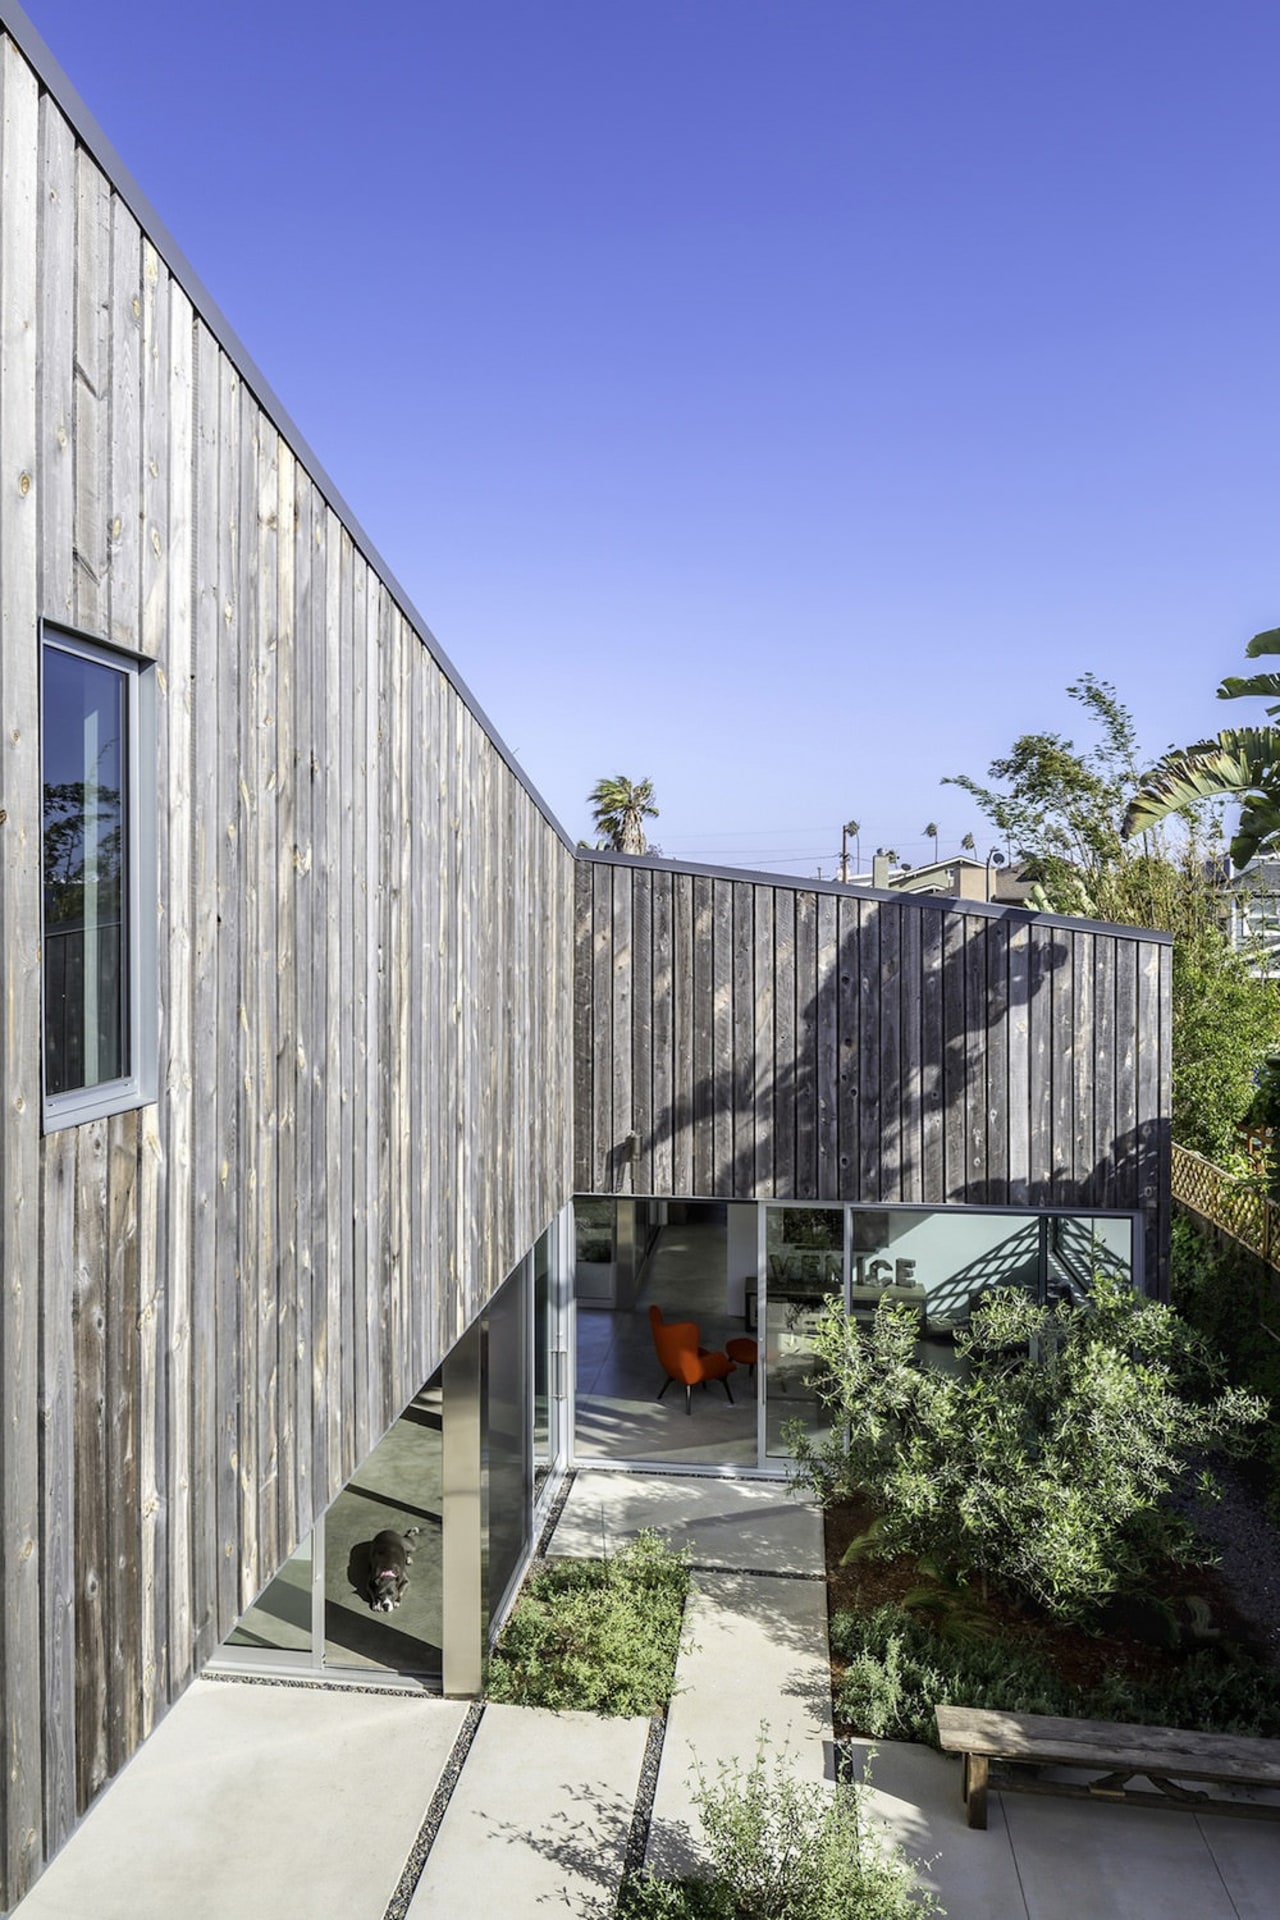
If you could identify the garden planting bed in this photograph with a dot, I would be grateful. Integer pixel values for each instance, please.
(1008, 1654)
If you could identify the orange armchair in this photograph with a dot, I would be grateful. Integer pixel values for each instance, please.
(684, 1360)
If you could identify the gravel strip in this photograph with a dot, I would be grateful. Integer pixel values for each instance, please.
(1249, 1547)
(398, 1906)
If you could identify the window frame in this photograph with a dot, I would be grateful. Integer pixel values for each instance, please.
(137, 1087)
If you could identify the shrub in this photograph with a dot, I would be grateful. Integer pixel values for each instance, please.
(1043, 1466)
(898, 1671)
(596, 1634)
(784, 1849)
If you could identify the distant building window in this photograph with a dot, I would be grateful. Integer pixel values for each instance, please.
(99, 881)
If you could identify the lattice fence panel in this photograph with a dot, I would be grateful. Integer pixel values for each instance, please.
(1235, 1206)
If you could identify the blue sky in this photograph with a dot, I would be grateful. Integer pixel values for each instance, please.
(781, 399)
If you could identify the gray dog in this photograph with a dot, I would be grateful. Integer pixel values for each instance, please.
(389, 1558)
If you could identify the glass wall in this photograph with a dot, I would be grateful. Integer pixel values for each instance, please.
(506, 1436)
(320, 1612)
(679, 1311)
(398, 1491)
(940, 1262)
(804, 1272)
(383, 1538)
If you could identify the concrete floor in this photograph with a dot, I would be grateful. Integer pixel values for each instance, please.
(619, 1415)
(398, 1486)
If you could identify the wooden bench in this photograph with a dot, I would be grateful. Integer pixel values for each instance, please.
(1114, 1751)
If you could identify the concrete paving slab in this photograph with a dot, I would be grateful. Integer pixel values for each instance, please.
(915, 1793)
(539, 1818)
(758, 1655)
(254, 1802)
(740, 1524)
(1247, 1855)
(1113, 1863)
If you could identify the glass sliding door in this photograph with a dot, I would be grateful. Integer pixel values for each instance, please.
(506, 1401)
(280, 1625)
(804, 1271)
(398, 1489)
(678, 1312)
(317, 1613)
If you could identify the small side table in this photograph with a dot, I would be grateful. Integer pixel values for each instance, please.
(744, 1351)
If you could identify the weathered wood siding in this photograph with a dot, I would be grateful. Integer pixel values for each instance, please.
(213, 1307)
(744, 1040)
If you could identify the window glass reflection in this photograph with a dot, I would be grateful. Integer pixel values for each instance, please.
(84, 812)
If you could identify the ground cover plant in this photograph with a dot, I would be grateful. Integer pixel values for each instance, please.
(601, 1635)
(779, 1848)
(1043, 1467)
(893, 1668)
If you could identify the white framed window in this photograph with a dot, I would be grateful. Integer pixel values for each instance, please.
(97, 758)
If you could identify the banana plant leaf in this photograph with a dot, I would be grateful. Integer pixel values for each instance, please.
(1241, 763)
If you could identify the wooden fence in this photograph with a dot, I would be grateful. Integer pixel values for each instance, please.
(1235, 1206)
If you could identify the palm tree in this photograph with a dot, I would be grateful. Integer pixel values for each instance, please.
(1242, 763)
(619, 808)
(931, 833)
(969, 845)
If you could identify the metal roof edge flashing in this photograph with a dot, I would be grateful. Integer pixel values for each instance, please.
(48, 71)
(923, 902)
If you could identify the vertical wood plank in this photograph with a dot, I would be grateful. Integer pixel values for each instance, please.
(955, 1057)
(286, 1278)
(56, 386)
(763, 962)
(997, 1081)
(304, 1007)
(208, 1099)
(850, 1044)
(1040, 1125)
(720, 1075)
(1082, 982)
(702, 969)
(933, 1180)
(869, 1100)
(21, 1819)
(977, 1012)
(1126, 1137)
(124, 1413)
(682, 1177)
(1104, 1069)
(664, 1083)
(585, 1016)
(1019, 1062)
(890, 1059)
(744, 1021)
(642, 1029)
(911, 934)
(92, 1486)
(1063, 1164)
(618, 1166)
(784, 1039)
(804, 1093)
(602, 964)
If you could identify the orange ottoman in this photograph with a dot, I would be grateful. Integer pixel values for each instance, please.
(744, 1351)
